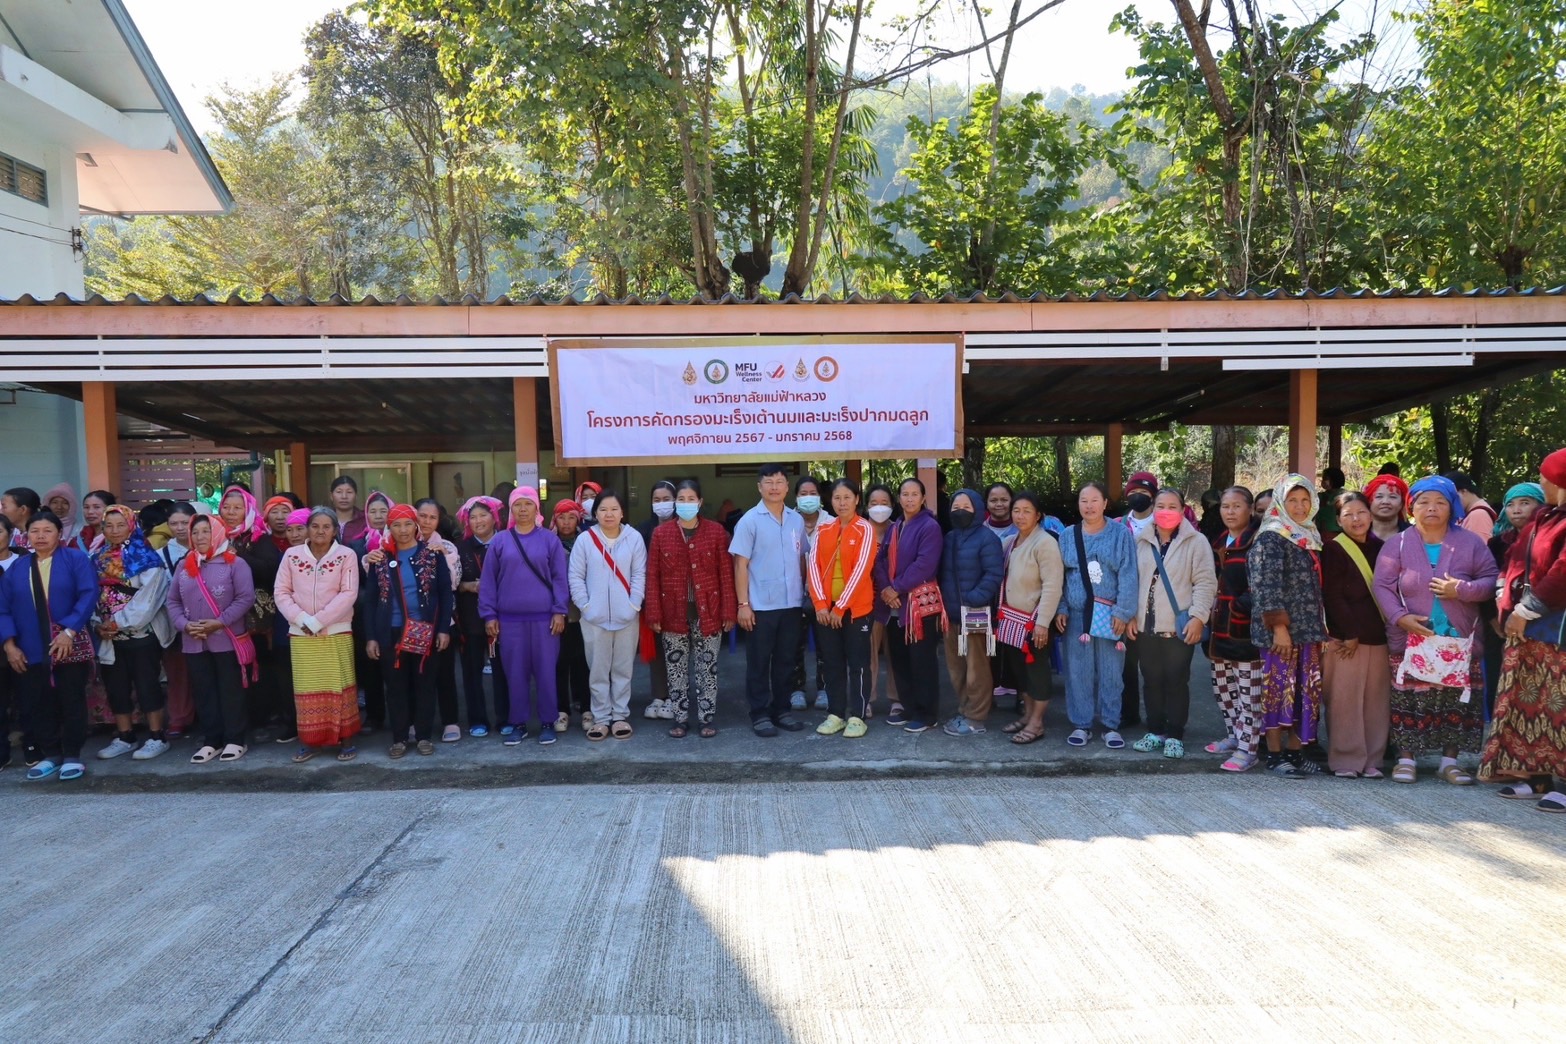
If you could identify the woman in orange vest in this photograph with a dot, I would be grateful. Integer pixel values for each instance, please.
(843, 594)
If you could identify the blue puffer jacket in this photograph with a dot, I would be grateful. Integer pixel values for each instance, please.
(972, 567)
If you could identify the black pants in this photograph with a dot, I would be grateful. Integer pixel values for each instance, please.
(219, 692)
(797, 679)
(475, 653)
(444, 664)
(137, 664)
(845, 657)
(769, 662)
(1131, 688)
(287, 709)
(571, 674)
(272, 698)
(1166, 675)
(410, 691)
(916, 671)
(1494, 648)
(7, 683)
(371, 684)
(1031, 678)
(52, 704)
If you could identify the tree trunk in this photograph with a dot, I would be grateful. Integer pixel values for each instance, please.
(1223, 456)
(1234, 134)
(973, 462)
(1440, 430)
(1063, 465)
(1479, 453)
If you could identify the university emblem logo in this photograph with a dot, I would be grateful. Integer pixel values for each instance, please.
(689, 376)
(716, 371)
(826, 369)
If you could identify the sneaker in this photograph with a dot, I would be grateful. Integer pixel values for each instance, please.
(832, 726)
(1114, 741)
(150, 749)
(546, 735)
(1279, 765)
(1079, 738)
(653, 710)
(506, 730)
(788, 724)
(479, 731)
(489, 668)
(960, 726)
(397, 750)
(451, 734)
(897, 716)
(822, 701)
(426, 747)
(1174, 748)
(797, 701)
(1148, 743)
(764, 728)
(916, 726)
(115, 748)
(1239, 761)
(514, 734)
(855, 729)
(1303, 765)
(1223, 746)
(288, 734)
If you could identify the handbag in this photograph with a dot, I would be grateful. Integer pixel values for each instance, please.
(1440, 660)
(244, 645)
(1013, 626)
(82, 650)
(1099, 613)
(418, 636)
(919, 604)
(1182, 616)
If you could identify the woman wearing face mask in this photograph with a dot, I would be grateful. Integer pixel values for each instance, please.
(572, 673)
(881, 510)
(662, 511)
(133, 628)
(1388, 496)
(690, 605)
(1287, 624)
(972, 566)
(1430, 580)
(479, 519)
(807, 501)
(586, 493)
(1527, 747)
(1355, 676)
(608, 582)
(1178, 582)
(1099, 558)
(1237, 666)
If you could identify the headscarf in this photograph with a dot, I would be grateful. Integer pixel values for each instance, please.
(70, 523)
(1277, 520)
(299, 517)
(1554, 467)
(132, 558)
(400, 513)
(1394, 482)
(255, 523)
(1503, 525)
(489, 504)
(270, 504)
(1442, 485)
(562, 506)
(219, 545)
(586, 487)
(522, 493)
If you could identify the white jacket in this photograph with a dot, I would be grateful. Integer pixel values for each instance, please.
(596, 591)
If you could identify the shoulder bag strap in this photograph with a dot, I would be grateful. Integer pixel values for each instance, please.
(1082, 567)
(1163, 574)
(517, 539)
(593, 532)
(891, 555)
(41, 603)
(218, 613)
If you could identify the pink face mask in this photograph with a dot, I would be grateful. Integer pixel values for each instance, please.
(1167, 518)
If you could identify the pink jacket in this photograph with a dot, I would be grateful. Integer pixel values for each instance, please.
(323, 592)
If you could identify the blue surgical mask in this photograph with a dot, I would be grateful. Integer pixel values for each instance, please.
(807, 505)
(687, 510)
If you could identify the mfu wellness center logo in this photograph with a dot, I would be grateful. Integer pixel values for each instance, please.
(775, 371)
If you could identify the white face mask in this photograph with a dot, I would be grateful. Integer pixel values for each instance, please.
(587, 507)
(664, 509)
(880, 512)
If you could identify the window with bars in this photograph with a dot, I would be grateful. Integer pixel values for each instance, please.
(23, 179)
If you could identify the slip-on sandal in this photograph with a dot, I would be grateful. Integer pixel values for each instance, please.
(204, 755)
(72, 770)
(304, 755)
(1554, 801)
(347, 753)
(598, 732)
(42, 770)
(233, 752)
(621, 730)
(1517, 792)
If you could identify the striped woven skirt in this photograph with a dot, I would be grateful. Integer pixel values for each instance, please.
(325, 694)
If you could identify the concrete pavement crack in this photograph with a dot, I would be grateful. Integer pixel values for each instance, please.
(320, 922)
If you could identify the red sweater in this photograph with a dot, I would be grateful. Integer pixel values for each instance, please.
(675, 564)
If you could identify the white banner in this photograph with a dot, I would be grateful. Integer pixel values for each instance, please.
(769, 400)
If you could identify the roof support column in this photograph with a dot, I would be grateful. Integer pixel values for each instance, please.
(854, 469)
(927, 475)
(1302, 421)
(1114, 467)
(299, 470)
(1335, 444)
(524, 407)
(100, 416)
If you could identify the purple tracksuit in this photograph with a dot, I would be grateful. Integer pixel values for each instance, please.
(523, 595)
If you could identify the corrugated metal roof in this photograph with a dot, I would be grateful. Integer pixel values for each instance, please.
(336, 300)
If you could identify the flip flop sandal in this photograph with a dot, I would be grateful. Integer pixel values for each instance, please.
(1027, 736)
(707, 732)
(621, 730)
(1224, 746)
(42, 769)
(347, 753)
(304, 755)
(1517, 792)
(232, 752)
(1552, 802)
(204, 755)
(597, 732)
(1015, 727)
(678, 732)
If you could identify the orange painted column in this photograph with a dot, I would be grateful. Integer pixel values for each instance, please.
(1302, 421)
(1114, 467)
(101, 419)
(854, 469)
(299, 470)
(524, 405)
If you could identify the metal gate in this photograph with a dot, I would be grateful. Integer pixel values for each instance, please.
(152, 469)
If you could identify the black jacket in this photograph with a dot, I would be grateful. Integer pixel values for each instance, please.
(1231, 621)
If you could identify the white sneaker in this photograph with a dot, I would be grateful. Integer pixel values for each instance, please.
(149, 750)
(666, 710)
(654, 710)
(797, 701)
(821, 699)
(115, 749)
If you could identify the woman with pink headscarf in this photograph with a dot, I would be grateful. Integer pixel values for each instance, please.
(523, 596)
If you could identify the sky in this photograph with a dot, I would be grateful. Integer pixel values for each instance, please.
(1064, 47)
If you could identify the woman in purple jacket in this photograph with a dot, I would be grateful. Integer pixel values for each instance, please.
(912, 558)
(212, 575)
(1430, 580)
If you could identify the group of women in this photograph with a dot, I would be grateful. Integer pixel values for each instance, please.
(293, 618)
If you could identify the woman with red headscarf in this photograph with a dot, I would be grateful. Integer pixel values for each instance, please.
(207, 602)
(1388, 496)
